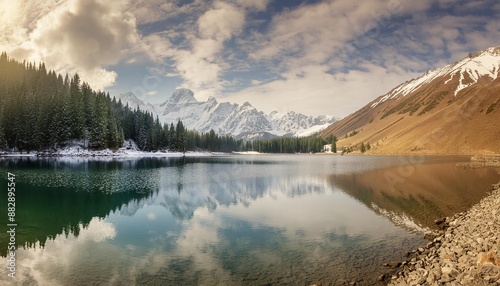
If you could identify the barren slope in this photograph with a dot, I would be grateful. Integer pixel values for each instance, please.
(452, 110)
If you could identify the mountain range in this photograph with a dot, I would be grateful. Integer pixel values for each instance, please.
(239, 121)
(450, 110)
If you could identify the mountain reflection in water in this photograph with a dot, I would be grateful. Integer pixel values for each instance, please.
(231, 220)
(423, 192)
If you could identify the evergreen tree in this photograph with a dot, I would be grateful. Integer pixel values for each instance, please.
(3, 142)
(40, 109)
(113, 134)
(180, 137)
(77, 109)
(212, 140)
(171, 136)
(98, 133)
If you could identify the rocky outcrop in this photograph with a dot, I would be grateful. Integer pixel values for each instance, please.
(465, 252)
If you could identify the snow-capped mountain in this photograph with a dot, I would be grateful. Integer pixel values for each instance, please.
(460, 74)
(452, 110)
(134, 102)
(240, 121)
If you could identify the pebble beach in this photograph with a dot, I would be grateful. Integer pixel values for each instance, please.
(466, 250)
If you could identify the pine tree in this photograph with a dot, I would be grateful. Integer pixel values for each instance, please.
(172, 139)
(180, 137)
(211, 140)
(113, 136)
(98, 133)
(77, 109)
(46, 110)
(3, 142)
(363, 148)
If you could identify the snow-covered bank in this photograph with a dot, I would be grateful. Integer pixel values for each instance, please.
(129, 149)
(109, 153)
(17, 154)
(247, 153)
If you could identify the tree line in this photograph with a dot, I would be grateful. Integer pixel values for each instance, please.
(313, 143)
(42, 111)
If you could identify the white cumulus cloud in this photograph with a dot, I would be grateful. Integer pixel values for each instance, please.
(84, 36)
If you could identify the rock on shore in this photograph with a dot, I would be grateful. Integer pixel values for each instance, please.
(481, 161)
(466, 252)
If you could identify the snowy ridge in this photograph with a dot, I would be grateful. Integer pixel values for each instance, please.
(401, 219)
(240, 121)
(469, 71)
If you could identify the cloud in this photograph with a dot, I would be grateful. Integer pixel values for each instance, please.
(201, 30)
(152, 11)
(237, 48)
(321, 54)
(55, 262)
(77, 36)
(201, 65)
(334, 57)
(258, 5)
(313, 91)
(151, 216)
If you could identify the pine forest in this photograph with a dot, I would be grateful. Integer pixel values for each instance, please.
(42, 111)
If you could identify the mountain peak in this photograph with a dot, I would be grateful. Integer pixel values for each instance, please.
(461, 74)
(491, 51)
(183, 95)
(131, 99)
(246, 104)
(212, 100)
(448, 110)
(238, 120)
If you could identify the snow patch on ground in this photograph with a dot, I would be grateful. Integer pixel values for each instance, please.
(128, 150)
(247, 153)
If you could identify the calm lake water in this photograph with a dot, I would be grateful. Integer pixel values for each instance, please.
(229, 220)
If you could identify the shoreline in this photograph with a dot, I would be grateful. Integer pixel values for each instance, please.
(100, 154)
(107, 153)
(480, 161)
(465, 251)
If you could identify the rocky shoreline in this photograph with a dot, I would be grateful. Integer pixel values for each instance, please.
(481, 161)
(466, 250)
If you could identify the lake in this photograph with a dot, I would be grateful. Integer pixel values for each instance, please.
(226, 220)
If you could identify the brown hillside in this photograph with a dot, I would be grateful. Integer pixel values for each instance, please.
(430, 119)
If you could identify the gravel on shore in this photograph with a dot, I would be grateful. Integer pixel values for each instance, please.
(465, 252)
(481, 161)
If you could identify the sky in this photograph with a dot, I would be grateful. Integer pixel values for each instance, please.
(309, 56)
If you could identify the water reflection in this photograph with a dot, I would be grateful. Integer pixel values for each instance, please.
(423, 192)
(42, 213)
(210, 221)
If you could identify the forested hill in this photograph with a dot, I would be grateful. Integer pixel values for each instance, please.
(40, 110)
